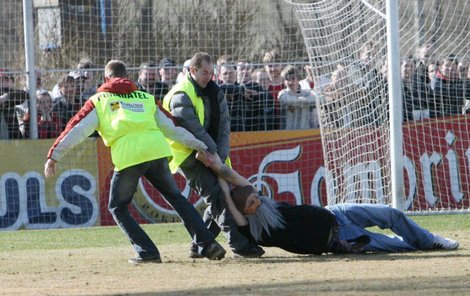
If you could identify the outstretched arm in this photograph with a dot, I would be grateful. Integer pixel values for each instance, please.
(237, 216)
(214, 162)
(226, 175)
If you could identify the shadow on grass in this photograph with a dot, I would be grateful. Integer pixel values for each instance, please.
(432, 285)
(356, 257)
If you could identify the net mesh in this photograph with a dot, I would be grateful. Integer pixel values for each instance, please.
(346, 40)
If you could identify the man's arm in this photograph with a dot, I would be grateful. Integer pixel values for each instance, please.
(82, 125)
(239, 218)
(177, 133)
(183, 111)
(214, 162)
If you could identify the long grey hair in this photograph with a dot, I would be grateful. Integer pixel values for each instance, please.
(266, 217)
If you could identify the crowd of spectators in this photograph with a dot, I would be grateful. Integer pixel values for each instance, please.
(270, 96)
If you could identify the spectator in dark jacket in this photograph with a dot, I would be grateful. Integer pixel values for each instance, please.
(9, 99)
(448, 89)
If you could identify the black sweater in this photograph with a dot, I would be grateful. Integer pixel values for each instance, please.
(307, 230)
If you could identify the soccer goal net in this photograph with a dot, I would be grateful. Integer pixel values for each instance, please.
(347, 41)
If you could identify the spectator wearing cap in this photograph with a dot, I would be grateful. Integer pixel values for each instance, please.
(86, 75)
(149, 80)
(9, 99)
(85, 83)
(168, 71)
(80, 81)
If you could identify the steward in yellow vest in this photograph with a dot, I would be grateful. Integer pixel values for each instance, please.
(133, 124)
(199, 105)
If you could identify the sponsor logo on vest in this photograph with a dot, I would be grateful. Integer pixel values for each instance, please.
(134, 107)
(114, 106)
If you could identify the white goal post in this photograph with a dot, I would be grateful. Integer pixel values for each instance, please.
(394, 120)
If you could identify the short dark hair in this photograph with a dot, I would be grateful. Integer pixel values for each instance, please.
(289, 71)
(149, 64)
(115, 68)
(224, 59)
(198, 58)
(85, 63)
(166, 62)
(452, 58)
(65, 79)
(240, 195)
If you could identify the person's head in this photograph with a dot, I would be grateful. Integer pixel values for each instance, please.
(167, 71)
(432, 69)
(184, 71)
(261, 77)
(85, 66)
(201, 68)
(272, 66)
(44, 102)
(228, 74)
(367, 53)
(186, 66)
(246, 199)
(291, 76)
(6, 80)
(243, 72)
(449, 67)
(463, 68)
(261, 212)
(224, 59)
(339, 77)
(407, 69)
(426, 54)
(67, 87)
(80, 80)
(148, 76)
(115, 69)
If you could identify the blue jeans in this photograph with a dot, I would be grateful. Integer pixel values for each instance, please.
(123, 186)
(354, 218)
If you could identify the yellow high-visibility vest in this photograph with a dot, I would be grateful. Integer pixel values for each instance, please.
(179, 151)
(127, 125)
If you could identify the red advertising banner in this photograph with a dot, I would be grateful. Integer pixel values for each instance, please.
(288, 166)
(437, 163)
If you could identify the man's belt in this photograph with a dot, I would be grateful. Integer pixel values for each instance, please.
(353, 246)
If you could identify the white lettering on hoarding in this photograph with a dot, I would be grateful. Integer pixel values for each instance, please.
(23, 201)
